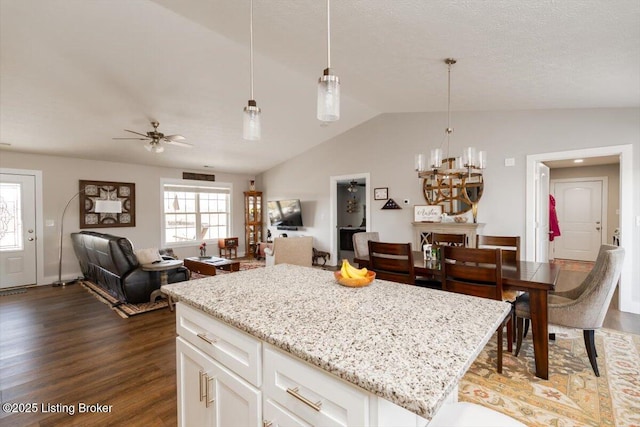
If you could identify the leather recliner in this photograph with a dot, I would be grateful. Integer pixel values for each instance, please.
(110, 262)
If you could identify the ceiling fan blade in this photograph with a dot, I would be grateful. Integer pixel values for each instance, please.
(174, 138)
(179, 143)
(137, 133)
(137, 139)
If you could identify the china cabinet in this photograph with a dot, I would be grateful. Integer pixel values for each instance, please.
(252, 221)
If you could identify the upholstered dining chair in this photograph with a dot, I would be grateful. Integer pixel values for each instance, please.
(448, 239)
(361, 242)
(476, 272)
(291, 250)
(510, 246)
(583, 307)
(392, 261)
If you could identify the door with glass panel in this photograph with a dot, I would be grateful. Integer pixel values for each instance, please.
(17, 230)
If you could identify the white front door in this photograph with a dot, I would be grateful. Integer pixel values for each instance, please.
(17, 230)
(579, 210)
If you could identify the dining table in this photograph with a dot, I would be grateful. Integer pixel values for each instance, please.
(535, 278)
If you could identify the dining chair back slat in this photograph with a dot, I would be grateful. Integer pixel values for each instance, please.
(510, 246)
(392, 261)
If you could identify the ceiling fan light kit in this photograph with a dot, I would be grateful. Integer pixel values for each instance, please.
(328, 84)
(157, 139)
(251, 126)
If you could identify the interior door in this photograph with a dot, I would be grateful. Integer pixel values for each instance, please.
(542, 212)
(579, 209)
(17, 230)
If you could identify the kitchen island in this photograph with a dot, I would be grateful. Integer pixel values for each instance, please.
(406, 345)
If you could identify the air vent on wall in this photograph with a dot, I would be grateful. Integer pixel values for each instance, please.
(198, 176)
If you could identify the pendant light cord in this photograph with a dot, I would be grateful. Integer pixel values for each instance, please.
(251, 48)
(328, 35)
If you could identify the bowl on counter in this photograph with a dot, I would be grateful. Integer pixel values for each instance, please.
(460, 219)
(355, 282)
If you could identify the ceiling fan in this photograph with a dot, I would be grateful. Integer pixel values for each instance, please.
(156, 139)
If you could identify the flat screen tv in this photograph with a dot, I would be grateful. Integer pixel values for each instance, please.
(285, 214)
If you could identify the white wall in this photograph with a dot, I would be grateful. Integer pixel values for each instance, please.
(60, 183)
(385, 148)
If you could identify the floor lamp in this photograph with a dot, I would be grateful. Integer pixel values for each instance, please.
(101, 206)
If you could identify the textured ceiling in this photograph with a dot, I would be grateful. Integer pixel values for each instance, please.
(75, 74)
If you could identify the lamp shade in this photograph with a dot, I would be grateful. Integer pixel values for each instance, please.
(108, 206)
(328, 97)
(251, 123)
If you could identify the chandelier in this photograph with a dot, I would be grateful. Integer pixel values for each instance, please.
(451, 170)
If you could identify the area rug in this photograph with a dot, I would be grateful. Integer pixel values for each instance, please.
(573, 395)
(124, 310)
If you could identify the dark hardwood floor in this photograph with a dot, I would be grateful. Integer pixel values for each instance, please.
(61, 346)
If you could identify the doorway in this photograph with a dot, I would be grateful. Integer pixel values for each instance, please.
(350, 213)
(627, 300)
(19, 246)
(581, 209)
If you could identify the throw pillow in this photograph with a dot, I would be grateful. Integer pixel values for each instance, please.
(147, 256)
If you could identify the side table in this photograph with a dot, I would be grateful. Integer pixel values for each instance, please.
(162, 267)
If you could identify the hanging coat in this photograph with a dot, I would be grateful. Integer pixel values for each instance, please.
(554, 226)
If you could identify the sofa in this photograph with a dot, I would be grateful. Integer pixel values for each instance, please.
(110, 262)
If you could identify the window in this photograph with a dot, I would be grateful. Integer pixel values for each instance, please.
(10, 217)
(194, 213)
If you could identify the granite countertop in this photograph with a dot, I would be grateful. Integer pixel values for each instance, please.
(406, 344)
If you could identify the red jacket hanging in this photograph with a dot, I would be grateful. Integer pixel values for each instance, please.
(554, 226)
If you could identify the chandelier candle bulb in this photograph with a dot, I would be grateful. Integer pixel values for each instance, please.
(469, 157)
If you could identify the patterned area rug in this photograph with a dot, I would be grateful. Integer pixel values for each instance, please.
(124, 310)
(573, 395)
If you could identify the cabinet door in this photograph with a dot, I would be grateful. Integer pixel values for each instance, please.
(193, 378)
(237, 402)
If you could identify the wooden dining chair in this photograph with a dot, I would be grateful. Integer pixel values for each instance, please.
(447, 239)
(392, 261)
(476, 272)
(510, 246)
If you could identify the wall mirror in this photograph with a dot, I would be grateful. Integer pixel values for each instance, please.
(453, 189)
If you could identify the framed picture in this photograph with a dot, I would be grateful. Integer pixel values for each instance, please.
(427, 213)
(380, 193)
(94, 191)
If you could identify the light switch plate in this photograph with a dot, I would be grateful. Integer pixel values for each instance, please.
(510, 161)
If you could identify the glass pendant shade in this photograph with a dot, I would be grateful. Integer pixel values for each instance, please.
(436, 158)
(251, 122)
(469, 157)
(328, 97)
(420, 161)
(155, 148)
(482, 159)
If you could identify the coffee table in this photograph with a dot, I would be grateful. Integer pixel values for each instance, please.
(208, 265)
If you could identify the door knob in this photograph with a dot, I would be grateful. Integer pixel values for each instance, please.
(598, 228)
(31, 239)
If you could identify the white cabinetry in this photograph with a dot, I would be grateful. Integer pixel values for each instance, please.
(227, 377)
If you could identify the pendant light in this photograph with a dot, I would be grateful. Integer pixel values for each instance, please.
(251, 120)
(471, 163)
(328, 84)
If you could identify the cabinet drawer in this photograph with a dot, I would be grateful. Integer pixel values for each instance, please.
(275, 415)
(235, 349)
(314, 395)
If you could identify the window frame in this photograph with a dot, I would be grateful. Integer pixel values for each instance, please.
(164, 182)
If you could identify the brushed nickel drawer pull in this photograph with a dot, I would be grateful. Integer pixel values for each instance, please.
(204, 337)
(294, 392)
(202, 374)
(209, 401)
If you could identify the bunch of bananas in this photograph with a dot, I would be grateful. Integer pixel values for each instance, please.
(349, 271)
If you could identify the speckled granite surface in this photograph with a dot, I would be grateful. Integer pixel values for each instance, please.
(407, 344)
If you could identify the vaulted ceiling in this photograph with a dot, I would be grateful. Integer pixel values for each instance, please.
(75, 73)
